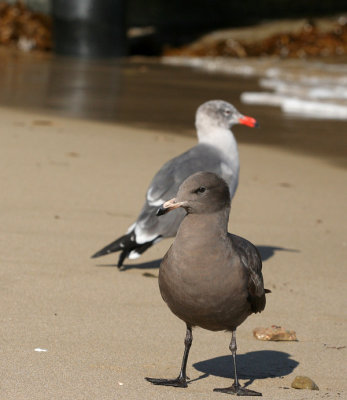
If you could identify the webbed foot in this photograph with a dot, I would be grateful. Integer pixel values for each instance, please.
(178, 382)
(238, 390)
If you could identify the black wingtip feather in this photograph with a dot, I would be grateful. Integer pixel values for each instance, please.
(122, 243)
(126, 244)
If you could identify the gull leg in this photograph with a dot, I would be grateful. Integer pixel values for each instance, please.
(236, 388)
(181, 380)
(123, 255)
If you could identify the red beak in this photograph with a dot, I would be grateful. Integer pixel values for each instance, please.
(249, 121)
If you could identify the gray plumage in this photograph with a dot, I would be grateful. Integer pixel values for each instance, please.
(216, 152)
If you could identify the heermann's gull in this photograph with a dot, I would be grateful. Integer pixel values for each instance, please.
(215, 152)
(209, 277)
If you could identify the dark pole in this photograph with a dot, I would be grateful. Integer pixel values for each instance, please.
(89, 28)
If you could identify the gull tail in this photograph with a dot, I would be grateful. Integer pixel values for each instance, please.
(126, 244)
(119, 244)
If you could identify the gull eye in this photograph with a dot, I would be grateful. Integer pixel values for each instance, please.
(227, 112)
(201, 189)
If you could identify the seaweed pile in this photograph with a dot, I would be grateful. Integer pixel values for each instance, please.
(310, 41)
(25, 29)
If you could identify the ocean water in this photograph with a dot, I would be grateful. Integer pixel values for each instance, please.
(163, 95)
(304, 88)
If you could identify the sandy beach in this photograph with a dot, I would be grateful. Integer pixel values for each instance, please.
(71, 186)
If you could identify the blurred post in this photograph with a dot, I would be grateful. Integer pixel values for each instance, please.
(89, 28)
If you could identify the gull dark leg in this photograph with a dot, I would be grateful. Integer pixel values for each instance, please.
(236, 388)
(123, 255)
(181, 380)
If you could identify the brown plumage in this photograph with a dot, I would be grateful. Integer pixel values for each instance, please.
(209, 278)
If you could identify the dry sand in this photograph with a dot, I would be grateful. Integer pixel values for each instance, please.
(69, 187)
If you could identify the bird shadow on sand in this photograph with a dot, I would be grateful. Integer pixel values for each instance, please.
(254, 365)
(154, 264)
(266, 252)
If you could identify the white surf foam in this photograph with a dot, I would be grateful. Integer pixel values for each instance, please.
(309, 89)
(314, 109)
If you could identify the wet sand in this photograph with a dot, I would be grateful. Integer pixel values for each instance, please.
(145, 93)
(70, 186)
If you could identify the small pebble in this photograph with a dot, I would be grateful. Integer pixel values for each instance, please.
(42, 122)
(274, 333)
(304, 382)
(72, 154)
(285, 184)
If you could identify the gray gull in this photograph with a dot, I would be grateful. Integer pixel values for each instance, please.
(216, 151)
